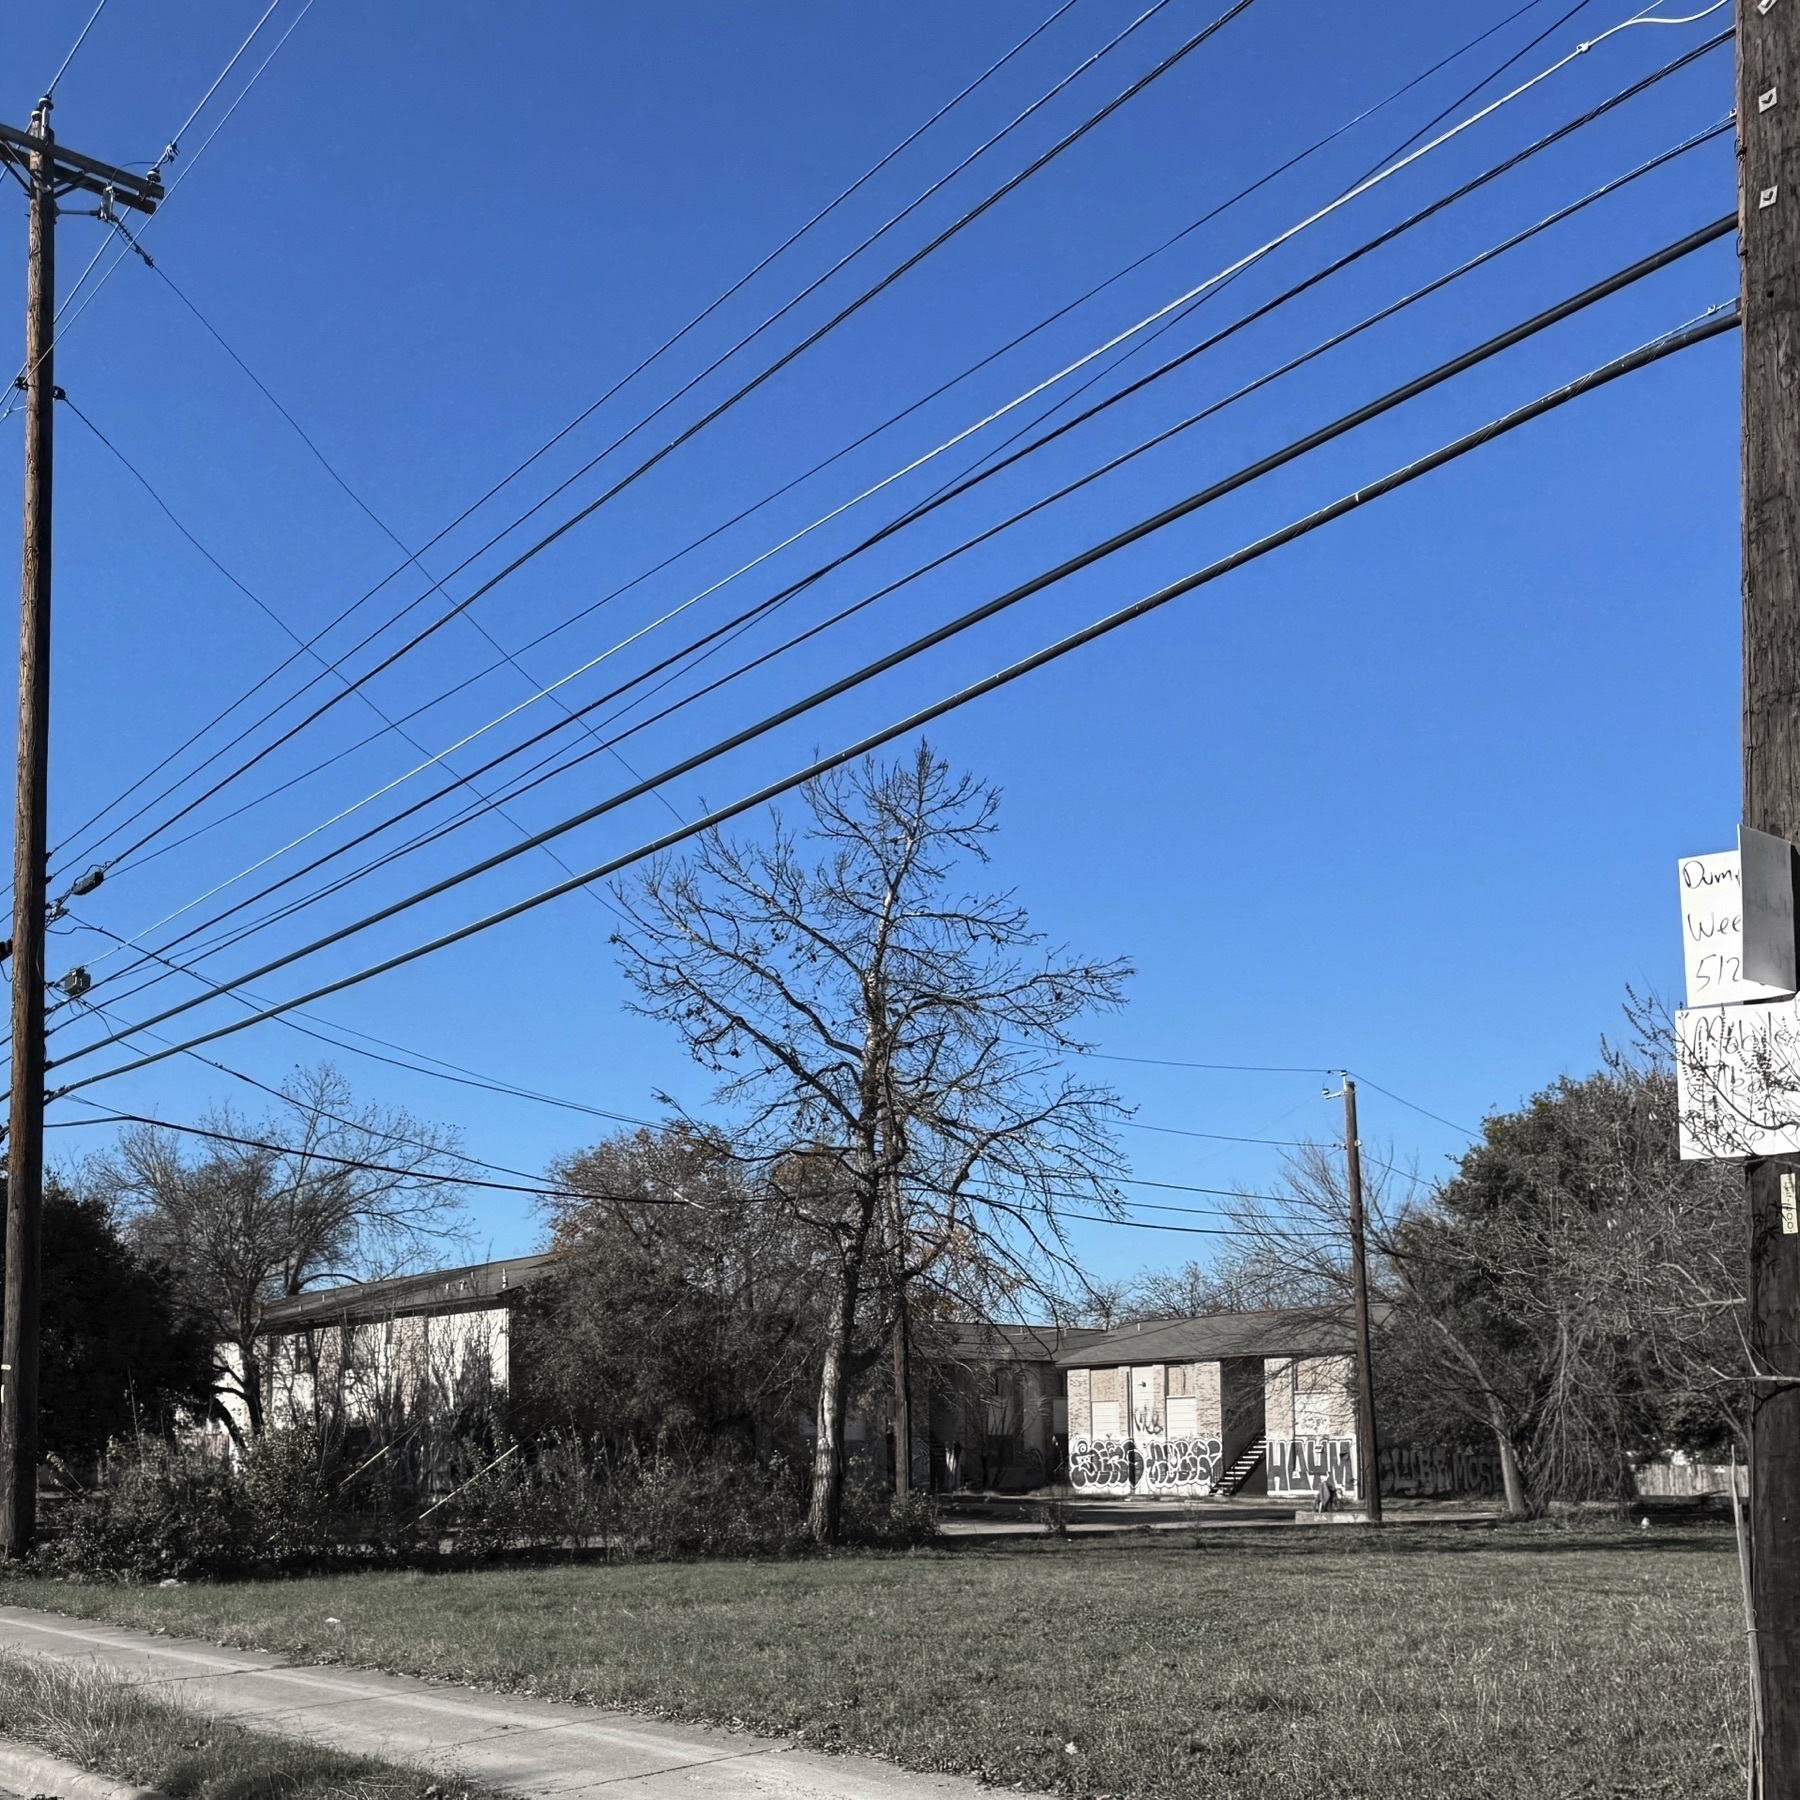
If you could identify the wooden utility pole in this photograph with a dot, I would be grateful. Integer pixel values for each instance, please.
(46, 172)
(1768, 137)
(1369, 1467)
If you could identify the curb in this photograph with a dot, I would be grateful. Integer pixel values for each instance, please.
(30, 1773)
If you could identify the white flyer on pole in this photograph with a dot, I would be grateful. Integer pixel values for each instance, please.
(1738, 1080)
(1712, 932)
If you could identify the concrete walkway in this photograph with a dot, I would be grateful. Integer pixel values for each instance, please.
(526, 1746)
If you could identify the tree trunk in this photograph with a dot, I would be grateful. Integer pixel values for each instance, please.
(902, 1399)
(251, 1384)
(1517, 1506)
(825, 1517)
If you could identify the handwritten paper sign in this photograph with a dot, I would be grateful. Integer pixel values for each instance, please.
(1712, 932)
(1737, 1074)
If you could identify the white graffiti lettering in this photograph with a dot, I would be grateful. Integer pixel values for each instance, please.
(1300, 1465)
(1182, 1463)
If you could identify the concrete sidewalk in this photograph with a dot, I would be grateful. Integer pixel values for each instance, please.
(527, 1746)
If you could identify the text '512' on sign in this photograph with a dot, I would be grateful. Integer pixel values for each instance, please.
(1737, 922)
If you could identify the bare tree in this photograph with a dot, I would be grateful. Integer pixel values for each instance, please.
(323, 1188)
(892, 1048)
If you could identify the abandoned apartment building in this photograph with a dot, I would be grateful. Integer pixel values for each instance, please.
(1233, 1405)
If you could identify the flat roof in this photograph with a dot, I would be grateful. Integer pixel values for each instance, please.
(471, 1288)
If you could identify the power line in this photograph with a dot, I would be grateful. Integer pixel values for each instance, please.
(412, 558)
(537, 1190)
(63, 67)
(467, 1077)
(545, 1190)
(1212, 282)
(763, 607)
(69, 299)
(1466, 1130)
(518, 469)
(1203, 219)
(1163, 1062)
(787, 357)
(488, 801)
(1655, 351)
(965, 621)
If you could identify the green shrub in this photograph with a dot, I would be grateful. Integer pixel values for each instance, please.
(673, 1506)
(877, 1520)
(286, 1504)
(288, 1499)
(158, 1512)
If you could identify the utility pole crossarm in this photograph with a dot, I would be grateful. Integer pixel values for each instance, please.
(142, 193)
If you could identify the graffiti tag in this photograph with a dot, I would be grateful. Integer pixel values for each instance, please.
(1182, 1463)
(1408, 1470)
(1299, 1465)
(1103, 1463)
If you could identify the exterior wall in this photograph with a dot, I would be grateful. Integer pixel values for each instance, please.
(381, 1375)
(985, 1424)
(1146, 1428)
(1175, 1428)
(1310, 1404)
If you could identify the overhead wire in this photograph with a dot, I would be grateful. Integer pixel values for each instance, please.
(1212, 492)
(1711, 325)
(275, 617)
(1412, 138)
(1466, 1130)
(913, 406)
(518, 469)
(543, 1190)
(62, 68)
(1586, 117)
(787, 357)
(466, 1077)
(412, 557)
(1131, 534)
(65, 319)
(1393, 168)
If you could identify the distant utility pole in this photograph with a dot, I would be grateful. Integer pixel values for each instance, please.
(1369, 1466)
(46, 172)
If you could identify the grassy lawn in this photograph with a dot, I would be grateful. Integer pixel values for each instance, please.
(112, 1728)
(1529, 1662)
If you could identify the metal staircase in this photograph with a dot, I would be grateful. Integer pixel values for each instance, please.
(1240, 1471)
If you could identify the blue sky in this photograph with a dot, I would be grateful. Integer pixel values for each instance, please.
(1405, 796)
